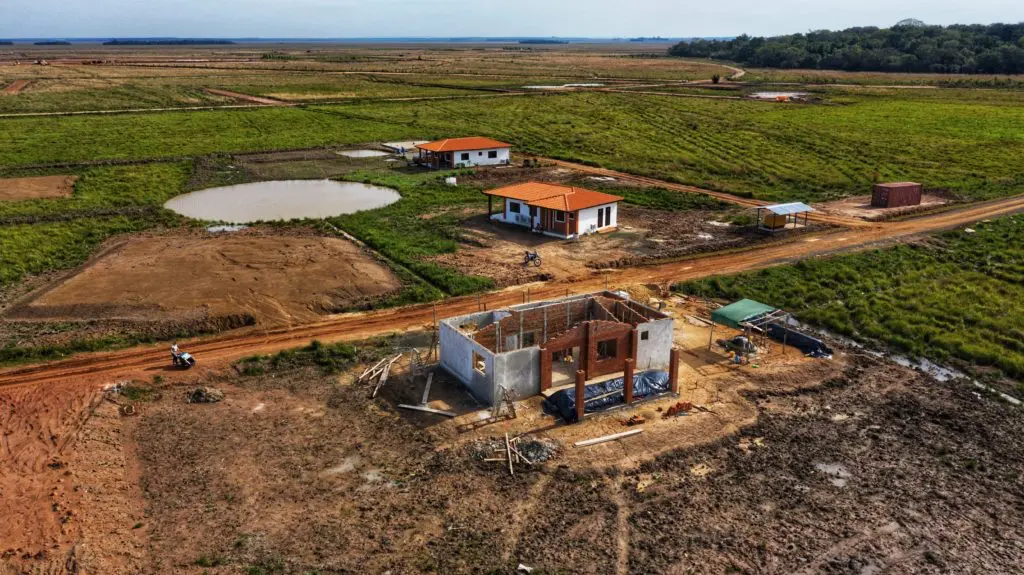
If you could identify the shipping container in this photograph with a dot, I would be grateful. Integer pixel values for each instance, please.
(896, 195)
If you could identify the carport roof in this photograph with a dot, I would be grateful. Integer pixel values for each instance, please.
(736, 313)
(788, 209)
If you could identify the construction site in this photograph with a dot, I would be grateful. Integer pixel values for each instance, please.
(489, 308)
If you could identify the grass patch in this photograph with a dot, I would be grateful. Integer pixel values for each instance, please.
(955, 140)
(959, 298)
(329, 358)
(401, 233)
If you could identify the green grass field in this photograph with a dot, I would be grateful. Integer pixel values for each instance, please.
(957, 297)
(968, 146)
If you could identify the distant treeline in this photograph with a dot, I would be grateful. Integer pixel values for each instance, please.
(52, 43)
(542, 41)
(167, 42)
(967, 49)
(6, 43)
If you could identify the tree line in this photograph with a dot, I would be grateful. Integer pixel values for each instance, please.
(965, 49)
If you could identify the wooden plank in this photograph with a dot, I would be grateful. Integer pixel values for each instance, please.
(605, 438)
(371, 369)
(426, 390)
(602, 396)
(383, 379)
(428, 410)
(508, 449)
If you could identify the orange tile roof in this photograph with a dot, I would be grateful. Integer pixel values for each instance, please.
(463, 144)
(554, 196)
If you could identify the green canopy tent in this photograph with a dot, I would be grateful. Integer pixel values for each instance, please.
(747, 315)
(734, 314)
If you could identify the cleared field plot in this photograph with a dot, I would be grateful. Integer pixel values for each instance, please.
(34, 188)
(15, 87)
(860, 207)
(278, 279)
(765, 150)
(958, 297)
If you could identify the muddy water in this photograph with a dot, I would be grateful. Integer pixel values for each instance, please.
(363, 153)
(281, 200)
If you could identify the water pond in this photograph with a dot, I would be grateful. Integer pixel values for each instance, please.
(281, 200)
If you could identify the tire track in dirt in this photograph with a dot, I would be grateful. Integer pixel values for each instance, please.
(247, 97)
(622, 525)
(104, 367)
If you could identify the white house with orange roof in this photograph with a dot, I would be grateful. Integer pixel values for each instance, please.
(555, 210)
(464, 153)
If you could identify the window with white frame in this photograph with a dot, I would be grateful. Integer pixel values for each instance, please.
(493, 154)
(514, 207)
(559, 216)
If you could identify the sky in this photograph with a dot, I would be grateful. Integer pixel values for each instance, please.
(452, 18)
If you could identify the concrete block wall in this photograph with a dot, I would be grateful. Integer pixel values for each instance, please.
(457, 351)
(653, 353)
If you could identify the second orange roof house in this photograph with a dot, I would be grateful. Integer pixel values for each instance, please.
(464, 153)
(555, 210)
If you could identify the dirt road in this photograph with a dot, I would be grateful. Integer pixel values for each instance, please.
(246, 97)
(725, 197)
(148, 361)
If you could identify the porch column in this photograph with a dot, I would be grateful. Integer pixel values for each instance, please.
(581, 386)
(545, 369)
(673, 370)
(490, 206)
(628, 381)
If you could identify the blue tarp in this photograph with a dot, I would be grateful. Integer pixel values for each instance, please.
(645, 384)
(805, 343)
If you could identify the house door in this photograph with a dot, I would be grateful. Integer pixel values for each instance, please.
(600, 218)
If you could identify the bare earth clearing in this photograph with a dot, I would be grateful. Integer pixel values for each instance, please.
(860, 207)
(196, 274)
(34, 188)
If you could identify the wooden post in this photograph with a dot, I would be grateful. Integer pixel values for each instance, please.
(435, 316)
(628, 382)
(711, 334)
(673, 369)
(581, 386)
(490, 207)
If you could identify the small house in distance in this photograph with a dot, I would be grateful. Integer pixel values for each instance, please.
(464, 153)
(896, 195)
(555, 210)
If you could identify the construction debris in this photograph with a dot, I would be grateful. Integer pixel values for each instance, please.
(384, 369)
(516, 450)
(606, 438)
(680, 408)
(634, 420)
(205, 395)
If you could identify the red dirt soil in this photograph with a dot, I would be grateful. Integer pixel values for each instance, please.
(15, 87)
(34, 188)
(182, 275)
(103, 367)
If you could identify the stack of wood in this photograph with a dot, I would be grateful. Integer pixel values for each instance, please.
(380, 372)
(512, 455)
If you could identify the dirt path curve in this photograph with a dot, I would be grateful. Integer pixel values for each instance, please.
(246, 97)
(147, 361)
(725, 197)
(15, 87)
(737, 73)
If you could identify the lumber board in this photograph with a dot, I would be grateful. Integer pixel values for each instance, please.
(426, 409)
(426, 390)
(605, 438)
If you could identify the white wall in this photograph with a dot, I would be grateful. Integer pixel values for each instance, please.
(480, 157)
(588, 219)
(653, 353)
(524, 210)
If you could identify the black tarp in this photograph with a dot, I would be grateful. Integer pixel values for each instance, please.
(645, 384)
(805, 343)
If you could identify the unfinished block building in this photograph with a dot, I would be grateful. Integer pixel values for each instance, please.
(533, 347)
